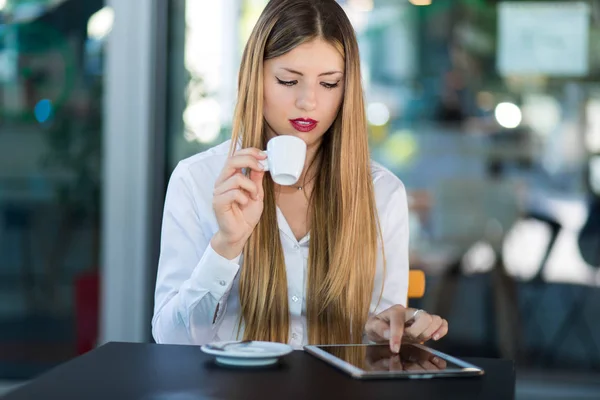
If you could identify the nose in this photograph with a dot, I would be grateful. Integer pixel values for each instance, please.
(307, 99)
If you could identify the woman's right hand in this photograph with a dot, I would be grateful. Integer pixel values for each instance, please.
(238, 201)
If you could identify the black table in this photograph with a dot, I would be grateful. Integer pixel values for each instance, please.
(168, 372)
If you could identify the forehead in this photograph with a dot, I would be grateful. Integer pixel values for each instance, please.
(316, 56)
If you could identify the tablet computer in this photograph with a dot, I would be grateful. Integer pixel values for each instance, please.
(415, 361)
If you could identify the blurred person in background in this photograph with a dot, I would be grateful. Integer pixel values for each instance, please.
(324, 261)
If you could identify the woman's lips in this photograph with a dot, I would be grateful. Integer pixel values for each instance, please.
(304, 124)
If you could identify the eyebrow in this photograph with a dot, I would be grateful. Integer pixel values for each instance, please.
(301, 74)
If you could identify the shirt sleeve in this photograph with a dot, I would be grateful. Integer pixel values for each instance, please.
(193, 281)
(393, 215)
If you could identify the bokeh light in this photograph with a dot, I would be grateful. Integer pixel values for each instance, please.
(43, 110)
(378, 114)
(100, 23)
(400, 148)
(508, 115)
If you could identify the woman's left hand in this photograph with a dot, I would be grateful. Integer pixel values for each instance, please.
(398, 324)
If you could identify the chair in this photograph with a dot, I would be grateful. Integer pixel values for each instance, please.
(416, 284)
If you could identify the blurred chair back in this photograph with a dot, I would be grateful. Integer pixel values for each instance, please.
(416, 284)
(588, 239)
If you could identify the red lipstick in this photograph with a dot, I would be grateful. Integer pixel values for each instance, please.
(304, 124)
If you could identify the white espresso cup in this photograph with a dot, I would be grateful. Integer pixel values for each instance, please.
(285, 159)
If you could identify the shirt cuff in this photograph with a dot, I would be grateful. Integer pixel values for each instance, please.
(216, 272)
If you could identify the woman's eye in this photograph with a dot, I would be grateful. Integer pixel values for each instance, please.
(330, 85)
(286, 83)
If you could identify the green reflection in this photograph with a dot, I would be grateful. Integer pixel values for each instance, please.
(33, 49)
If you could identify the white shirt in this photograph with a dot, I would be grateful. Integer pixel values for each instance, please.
(193, 279)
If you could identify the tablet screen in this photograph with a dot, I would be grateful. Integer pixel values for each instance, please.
(380, 358)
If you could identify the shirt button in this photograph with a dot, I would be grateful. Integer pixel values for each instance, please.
(297, 247)
(222, 283)
(295, 299)
(294, 336)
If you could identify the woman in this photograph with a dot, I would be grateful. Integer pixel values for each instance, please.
(325, 261)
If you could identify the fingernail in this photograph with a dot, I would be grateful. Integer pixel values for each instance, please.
(435, 360)
(436, 336)
(386, 334)
(396, 347)
(263, 153)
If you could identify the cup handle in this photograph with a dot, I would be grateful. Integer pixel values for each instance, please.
(264, 163)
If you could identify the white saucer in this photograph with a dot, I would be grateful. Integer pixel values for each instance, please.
(254, 354)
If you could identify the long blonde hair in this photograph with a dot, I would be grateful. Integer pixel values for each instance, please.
(343, 217)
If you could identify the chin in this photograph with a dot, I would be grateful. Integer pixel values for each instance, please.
(310, 138)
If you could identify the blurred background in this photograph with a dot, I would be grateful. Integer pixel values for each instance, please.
(489, 112)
